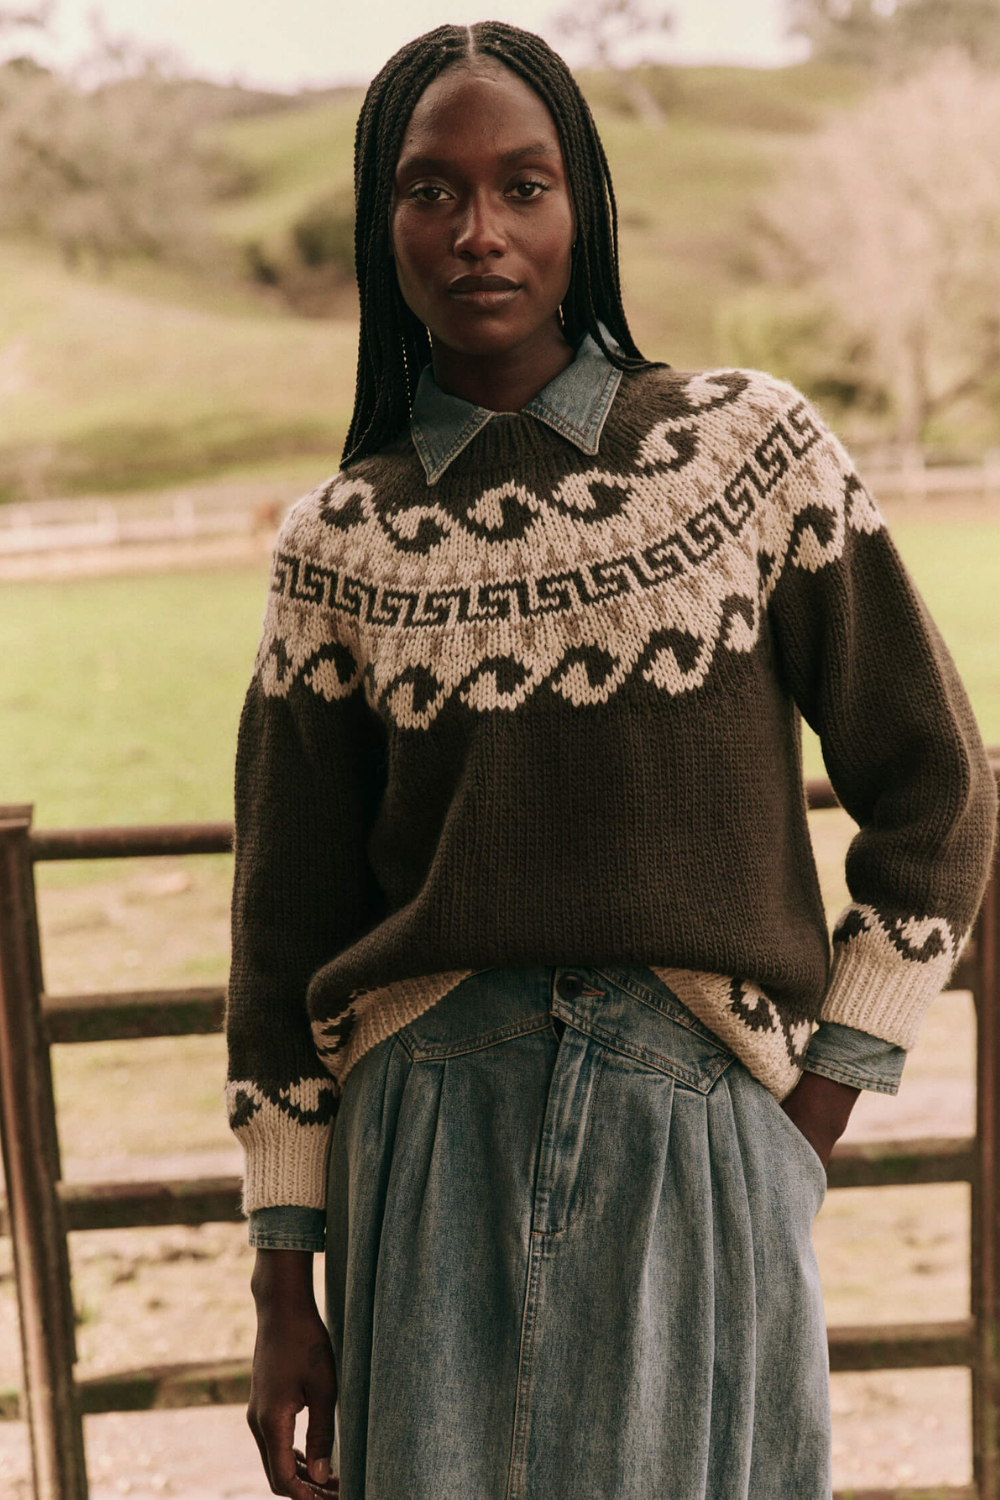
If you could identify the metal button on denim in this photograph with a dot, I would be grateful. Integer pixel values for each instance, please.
(569, 986)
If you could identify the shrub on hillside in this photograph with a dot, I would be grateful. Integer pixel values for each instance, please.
(313, 267)
(324, 234)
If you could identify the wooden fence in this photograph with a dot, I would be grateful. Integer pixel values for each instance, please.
(41, 1209)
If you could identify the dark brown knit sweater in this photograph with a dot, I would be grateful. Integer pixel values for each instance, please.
(546, 710)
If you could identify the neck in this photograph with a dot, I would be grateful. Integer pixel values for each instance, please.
(504, 381)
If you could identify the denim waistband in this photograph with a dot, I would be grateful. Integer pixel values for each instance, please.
(626, 1009)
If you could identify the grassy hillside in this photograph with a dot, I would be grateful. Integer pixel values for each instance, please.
(147, 378)
(155, 375)
(296, 157)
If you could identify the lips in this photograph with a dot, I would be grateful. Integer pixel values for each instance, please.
(481, 284)
(485, 293)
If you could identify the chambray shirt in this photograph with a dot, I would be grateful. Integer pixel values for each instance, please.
(575, 404)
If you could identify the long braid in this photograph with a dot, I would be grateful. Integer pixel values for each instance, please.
(393, 344)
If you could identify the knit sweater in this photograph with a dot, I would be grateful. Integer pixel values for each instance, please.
(535, 699)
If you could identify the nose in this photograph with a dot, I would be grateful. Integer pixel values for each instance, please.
(480, 232)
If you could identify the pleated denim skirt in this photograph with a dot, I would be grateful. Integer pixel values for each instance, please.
(569, 1256)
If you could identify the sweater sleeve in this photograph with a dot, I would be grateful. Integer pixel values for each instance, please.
(309, 775)
(870, 673)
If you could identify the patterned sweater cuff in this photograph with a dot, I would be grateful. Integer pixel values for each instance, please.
(886, 971)
(285, 1139)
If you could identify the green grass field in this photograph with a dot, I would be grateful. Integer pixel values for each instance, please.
(120, 697)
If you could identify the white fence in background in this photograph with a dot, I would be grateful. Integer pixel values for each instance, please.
(917, 481)
(252, 509)
(209, 511)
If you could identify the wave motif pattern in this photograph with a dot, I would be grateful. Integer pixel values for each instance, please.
(731, 1008)
(311, 1101)
(419, 635)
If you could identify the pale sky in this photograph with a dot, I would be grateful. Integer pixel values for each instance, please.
(289, 43)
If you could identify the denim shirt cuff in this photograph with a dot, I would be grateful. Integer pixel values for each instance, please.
(854, 1057)
(288, 1228)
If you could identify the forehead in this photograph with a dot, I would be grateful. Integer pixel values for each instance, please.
(472, 107)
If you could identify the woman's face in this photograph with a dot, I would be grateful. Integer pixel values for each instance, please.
(482, 220)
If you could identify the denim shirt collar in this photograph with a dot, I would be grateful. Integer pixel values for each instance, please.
(576, 404)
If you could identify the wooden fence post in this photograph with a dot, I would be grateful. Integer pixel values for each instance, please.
(31, 1167)
(986, 1200)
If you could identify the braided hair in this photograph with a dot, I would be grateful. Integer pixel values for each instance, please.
(394, 344)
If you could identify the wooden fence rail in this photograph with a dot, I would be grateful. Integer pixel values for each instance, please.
(42, 1210)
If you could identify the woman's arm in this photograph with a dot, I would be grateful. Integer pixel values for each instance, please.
(307, 778)
(293, 1369)
(840, 1063)
(869, 671)
(310, 769)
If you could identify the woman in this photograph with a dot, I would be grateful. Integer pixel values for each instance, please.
(524, 892)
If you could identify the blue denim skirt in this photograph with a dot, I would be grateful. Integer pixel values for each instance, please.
(569, 1256)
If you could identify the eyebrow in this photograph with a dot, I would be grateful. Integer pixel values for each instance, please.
(537, 148)
(509, 158)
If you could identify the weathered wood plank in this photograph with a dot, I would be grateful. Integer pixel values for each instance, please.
(139, 1013)
(158, 1387)
(203, 1200)
(131, 841)
(163, 1387)
(144, 1205)
(884, 1163)
(939, 1492)
(902, 1346)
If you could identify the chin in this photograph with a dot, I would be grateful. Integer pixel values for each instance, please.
(489, 333)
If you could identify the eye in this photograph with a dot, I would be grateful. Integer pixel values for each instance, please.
(525, 192)
(424, 192)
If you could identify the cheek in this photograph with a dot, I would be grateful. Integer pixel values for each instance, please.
(558, 258)
(410, 254)
(555, 246)
(411, 235)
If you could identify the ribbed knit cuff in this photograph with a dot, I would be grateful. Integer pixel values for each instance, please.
(284, 1158)
(886, 972)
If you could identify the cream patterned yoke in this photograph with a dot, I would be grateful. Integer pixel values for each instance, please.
(530, 696)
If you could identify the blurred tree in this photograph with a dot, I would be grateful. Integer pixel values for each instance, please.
(37, 15)
(106, 163)
(898, 32)
(609, 26)
(892, 221)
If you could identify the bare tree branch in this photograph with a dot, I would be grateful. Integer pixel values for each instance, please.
(609, 26)
(38, 16)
